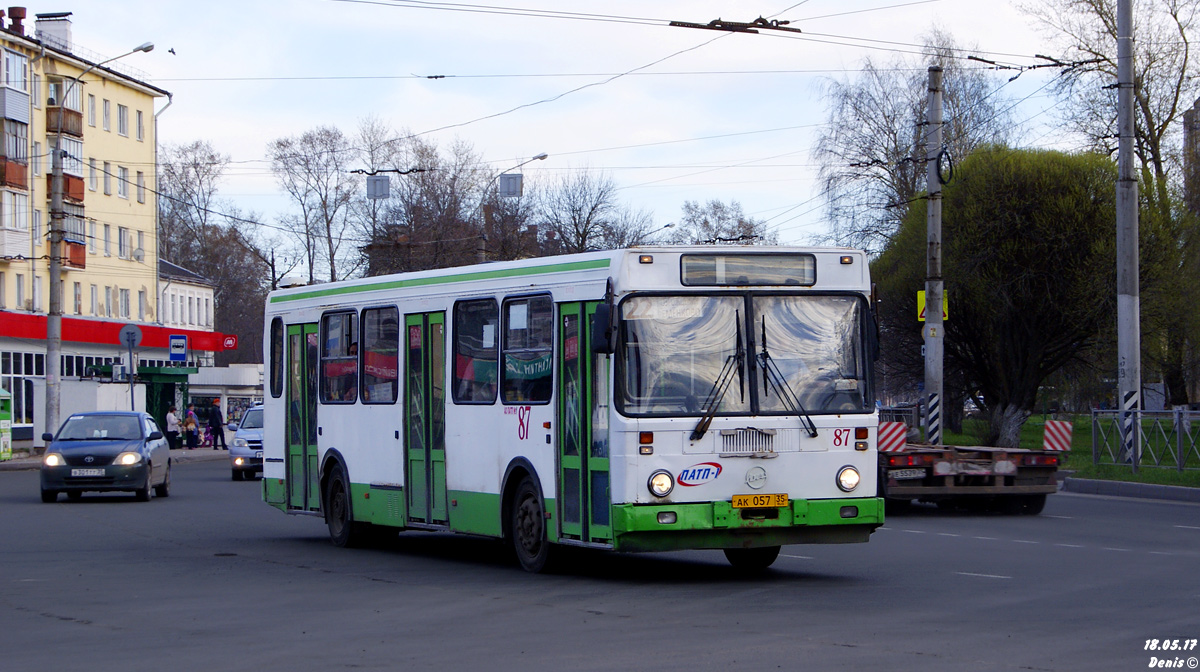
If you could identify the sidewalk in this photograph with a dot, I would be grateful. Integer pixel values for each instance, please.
(1086, 486)
(180, 456)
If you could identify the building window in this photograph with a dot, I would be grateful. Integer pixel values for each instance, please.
(14, 210)
(61, 92)
(92, 236)
(35, 81)
(141, 127)
(72, 157)
(17, 371)
(37, 227)
(16, 141)
(91, 110)
(107, 178)
(339, 358)
(191, 311)
(141, 246)
(4, 290)
(124, 297)
(122, 182)
(78, 298)
(141, 187)
(95, 300)
(107, 241)
(141, 305)
(93, 178)
(207, 312)
(21, 291)
(73, 223)
(123, 120)
(37, 293)
(123, 250)
(107, 116)
(16, 71)
(37, 158)
(174, 315)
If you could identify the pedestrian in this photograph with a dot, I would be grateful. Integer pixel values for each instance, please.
(191, 427)
(216, 425)
(172, 429)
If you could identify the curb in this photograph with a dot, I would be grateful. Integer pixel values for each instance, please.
(177, 456)
(1176, 493)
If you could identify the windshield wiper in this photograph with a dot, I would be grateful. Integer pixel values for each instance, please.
(774, 379)
(733, 363)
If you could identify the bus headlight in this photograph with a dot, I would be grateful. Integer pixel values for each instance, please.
(848, 478)
(661, 483)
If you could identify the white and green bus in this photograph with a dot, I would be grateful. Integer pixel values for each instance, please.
(649, 399)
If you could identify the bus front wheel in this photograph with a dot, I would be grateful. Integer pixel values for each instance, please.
(752, 559)
(529, 527)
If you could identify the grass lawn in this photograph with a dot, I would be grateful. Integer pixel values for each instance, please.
(1079, 460)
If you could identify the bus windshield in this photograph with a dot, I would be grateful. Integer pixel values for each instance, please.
(676, 347)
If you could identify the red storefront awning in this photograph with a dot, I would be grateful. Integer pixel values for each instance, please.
(104, 332)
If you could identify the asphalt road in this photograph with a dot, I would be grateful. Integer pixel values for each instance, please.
(212, 579)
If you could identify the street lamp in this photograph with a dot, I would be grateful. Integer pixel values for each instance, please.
(54, 317)
(481, 250)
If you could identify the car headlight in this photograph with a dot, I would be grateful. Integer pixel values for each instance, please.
(53, 460)
(661, 483)
(241, 443)
(127, 459)
(848, 478)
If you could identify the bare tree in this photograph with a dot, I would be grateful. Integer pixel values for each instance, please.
(187, 183)
(872, 151)
(314, 170)
(579, 211)
(718, 222)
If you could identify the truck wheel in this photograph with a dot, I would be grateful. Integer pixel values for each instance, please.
(752, 559)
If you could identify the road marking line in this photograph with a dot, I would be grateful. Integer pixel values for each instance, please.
(1059, 517)
(948, 534)
(1024, 541)
(1071, 545)
(984, 576)
(1187, 527)
(1160, 553)
(914, 531)
(1123, 550)
(801, 557)
(986, 538)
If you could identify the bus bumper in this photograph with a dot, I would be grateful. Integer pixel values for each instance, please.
(651, 527)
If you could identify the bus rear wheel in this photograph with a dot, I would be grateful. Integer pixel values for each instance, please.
(752, 559)
(528, 527)
(343, 531)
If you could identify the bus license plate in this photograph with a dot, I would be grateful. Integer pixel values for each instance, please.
(759, 501)
(903, 474)
(87, 472)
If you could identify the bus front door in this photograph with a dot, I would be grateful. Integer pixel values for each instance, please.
(425, 418)
(303, 493)
(583, 405)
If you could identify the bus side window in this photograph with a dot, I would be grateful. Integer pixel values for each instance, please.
(380, 355)
(476, 336)
(528, 371)
(339, 358)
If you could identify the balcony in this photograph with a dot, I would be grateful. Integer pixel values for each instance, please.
(73, 187)
(13, 174)
(76, 255)
(72, 121)
(14, 243)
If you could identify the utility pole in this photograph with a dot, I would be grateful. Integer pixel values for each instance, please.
(934, 334)
(54, 317)
(1129, 346)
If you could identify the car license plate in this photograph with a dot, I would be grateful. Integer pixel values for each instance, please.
(903, 474)
(87, 472)
(258, 454)
(759, 501)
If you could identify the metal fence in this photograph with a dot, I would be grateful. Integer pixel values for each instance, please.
(1165, 439)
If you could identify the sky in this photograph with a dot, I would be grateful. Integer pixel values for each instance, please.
(700, 115)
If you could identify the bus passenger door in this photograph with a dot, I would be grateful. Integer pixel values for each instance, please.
(425, 417)
(584, 493)
(303, 492)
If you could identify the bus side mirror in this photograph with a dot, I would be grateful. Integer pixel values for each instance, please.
(603, 337)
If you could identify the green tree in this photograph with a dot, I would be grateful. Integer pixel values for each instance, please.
(1029, 267)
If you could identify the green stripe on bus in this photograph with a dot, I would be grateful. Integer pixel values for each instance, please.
(445, 279)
